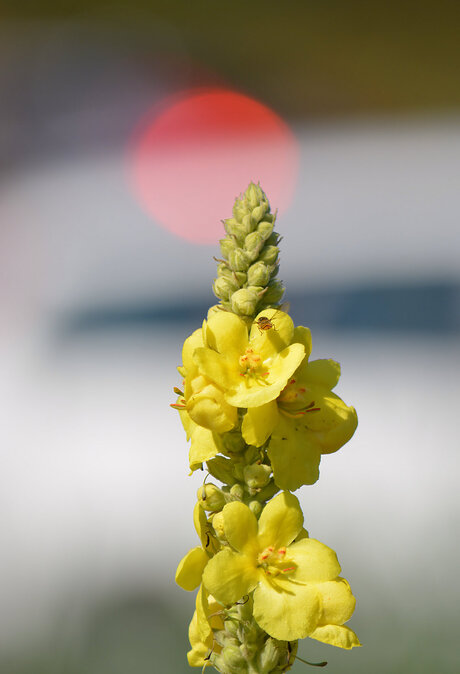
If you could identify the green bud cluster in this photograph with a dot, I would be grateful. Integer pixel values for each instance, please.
(246, 474)
(246, 276)
(246, 648)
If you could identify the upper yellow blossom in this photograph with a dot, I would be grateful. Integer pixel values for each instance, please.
(202, 399)
(251, 370)
(296, 583)
(305, 421)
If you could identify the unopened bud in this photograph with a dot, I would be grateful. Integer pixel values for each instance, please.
(265, 229)
(224, 287)
(258, 274)
(226, 246)
(234, 659)
(269, 254)
(259, 211)
(237, 491)
(211, 497)
(238, 260)
(253, 244)
(235, 229)
(232, 627)
(254, 194)
(257, 475)
(255, 507)
(244, 302)
(269, 656)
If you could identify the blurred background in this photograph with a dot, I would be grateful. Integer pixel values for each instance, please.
(126, 131)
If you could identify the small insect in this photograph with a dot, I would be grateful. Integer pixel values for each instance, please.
(265, 323)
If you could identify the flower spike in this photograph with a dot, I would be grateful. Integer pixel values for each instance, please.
(259, 413)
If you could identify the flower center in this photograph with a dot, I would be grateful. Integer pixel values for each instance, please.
(251, 364)
(274, 562)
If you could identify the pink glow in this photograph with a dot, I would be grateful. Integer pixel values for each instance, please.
(194, 156)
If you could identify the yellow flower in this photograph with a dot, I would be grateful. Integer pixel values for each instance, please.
(250, 370)
(190, 568)
(206, 618)
(202, 400)
(305, 421)
(296, 583)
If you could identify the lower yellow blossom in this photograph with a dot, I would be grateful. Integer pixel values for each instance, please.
(296, 584)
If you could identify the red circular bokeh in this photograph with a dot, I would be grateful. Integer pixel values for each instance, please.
(193, 157)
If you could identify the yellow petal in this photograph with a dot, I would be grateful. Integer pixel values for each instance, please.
(240, 527)
(338, 602)
(229, 576)
(331, 440)
(253, 392)
(227, 334)
(287, 615)
(294, 454)
(208, 614)
(214, 366)
(271, 341)
(333, 411)
(259, 422)
(303, 336)
(336, 635)
(200, 647)
(191, 343)
(208, 408)
(315, 561)
(204, 446)
(280, 522)
(200, 523)
(190, 569)
(325, 372)
(201, 614)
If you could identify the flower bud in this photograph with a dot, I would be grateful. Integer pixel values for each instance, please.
(274, 293)
(240, 209)
(237, 491)
(253, 244)
(255, 507)
(226, 246)
(265, 229)
(238, 260)
(235, 229)
(232, 627)
(269, 254)
(211, 497)
(224, 287)
(254, 194)
(244, 302)
(234, 659)
(258, 274)
(269, 656)
(259, 211)
(257, 475)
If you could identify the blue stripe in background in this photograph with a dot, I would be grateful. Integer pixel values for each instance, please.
(422, 308)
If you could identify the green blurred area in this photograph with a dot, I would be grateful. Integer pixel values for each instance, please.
(142, 634)
(306, 59)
